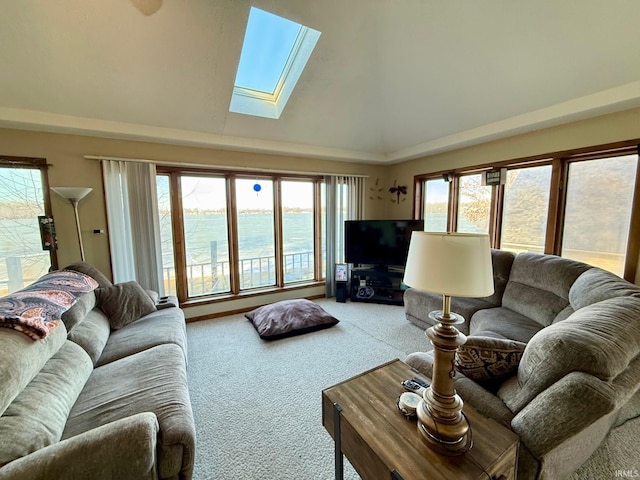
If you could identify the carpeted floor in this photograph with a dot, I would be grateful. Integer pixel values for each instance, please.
(257, 404)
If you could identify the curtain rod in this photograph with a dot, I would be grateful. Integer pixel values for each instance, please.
(219, 167)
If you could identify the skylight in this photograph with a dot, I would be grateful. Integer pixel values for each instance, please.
(274, 53)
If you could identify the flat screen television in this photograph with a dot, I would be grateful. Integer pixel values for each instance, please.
(380, 243)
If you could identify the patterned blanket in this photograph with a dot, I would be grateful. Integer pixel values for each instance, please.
(36, 310)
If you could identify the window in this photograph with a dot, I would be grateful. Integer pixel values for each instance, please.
(166, 234)
(598, 211)
(274, 54)
(237, 234)
(474, 203)
(525, 209)
(436, 200)
(582, 204)
(22, 200)
(297, 230)
(256, 240)
(204, 213)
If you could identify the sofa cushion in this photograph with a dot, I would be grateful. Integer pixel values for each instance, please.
(79, 310)
(504, 322)
(488, 359)
(124, 303)
(600, 340)
(419, 304)
(36, 418)
(154, 380)
(501, 261)
(90, 270)
(92, 333)
(36, 310)
(157, 328)
(595, 285)
(21, 359)
(539, 285)
(289, 317)
(122, 450)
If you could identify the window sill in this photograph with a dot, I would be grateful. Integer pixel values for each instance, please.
(225, 297)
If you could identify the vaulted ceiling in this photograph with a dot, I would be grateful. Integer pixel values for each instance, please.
(389, 80)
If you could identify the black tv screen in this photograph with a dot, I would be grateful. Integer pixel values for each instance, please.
(379, 242)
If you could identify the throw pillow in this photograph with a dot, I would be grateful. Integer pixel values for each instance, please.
(487, 359)
(289, 317)
(124, 303)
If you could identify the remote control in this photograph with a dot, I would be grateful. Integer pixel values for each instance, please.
(420, 382)
(414, 387)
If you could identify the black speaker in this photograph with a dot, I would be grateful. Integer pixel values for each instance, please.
(342, 292)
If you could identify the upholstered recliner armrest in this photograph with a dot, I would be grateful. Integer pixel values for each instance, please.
(124, 449)
(564, 424)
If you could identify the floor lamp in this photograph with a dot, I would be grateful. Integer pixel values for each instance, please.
(451, 264)
(74, 195)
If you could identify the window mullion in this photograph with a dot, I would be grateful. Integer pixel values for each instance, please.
(556, 206)
(317, 229)
(495, 215)
(453, 203)
(277, 230)
(179, 254)
(633, 241)
(46, 193)
(232, 228)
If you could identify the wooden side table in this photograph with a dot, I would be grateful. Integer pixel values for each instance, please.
(362, 417)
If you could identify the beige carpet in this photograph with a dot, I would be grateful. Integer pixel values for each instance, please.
(257, 404)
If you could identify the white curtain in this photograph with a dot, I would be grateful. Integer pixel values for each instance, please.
(345, 201)
(134, 228)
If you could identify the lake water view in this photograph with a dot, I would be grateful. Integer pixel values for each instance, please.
(204, 230)
(20, 239)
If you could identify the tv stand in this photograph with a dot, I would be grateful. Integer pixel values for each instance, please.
(375, 285)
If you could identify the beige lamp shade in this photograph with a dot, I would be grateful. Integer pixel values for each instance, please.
(453, 264)
(73, 194)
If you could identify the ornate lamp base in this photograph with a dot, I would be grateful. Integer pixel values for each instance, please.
(447, 439)
(441, 423)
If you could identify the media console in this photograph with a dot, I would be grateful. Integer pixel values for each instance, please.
(373, 285)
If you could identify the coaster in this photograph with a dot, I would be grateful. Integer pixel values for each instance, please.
(408, 403)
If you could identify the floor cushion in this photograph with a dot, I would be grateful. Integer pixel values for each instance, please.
(289, 317)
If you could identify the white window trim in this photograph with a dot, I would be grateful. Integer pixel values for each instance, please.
(261, 104)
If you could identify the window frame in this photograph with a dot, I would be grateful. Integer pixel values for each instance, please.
(42, 165)
(424, 190)
(177, 220)
(559, 162)
(501, 194)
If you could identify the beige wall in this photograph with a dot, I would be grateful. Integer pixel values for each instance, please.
(65, 154)
(596, 131)
(601, 130)
(68, 167)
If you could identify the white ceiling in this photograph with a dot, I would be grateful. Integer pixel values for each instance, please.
(389, 80)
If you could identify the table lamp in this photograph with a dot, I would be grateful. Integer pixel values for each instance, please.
(74, 195)
(451, 264)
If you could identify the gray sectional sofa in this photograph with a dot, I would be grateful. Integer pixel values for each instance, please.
(97, 399)
(557, 352)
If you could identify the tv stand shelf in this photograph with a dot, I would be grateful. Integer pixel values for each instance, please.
(374, 285)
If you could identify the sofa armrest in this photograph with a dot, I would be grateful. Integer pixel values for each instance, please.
(562, 411)
(124, 449)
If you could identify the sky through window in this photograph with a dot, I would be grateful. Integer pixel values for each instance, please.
(268, 42)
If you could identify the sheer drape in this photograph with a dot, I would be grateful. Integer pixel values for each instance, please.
(134, 229)
(345, 201)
